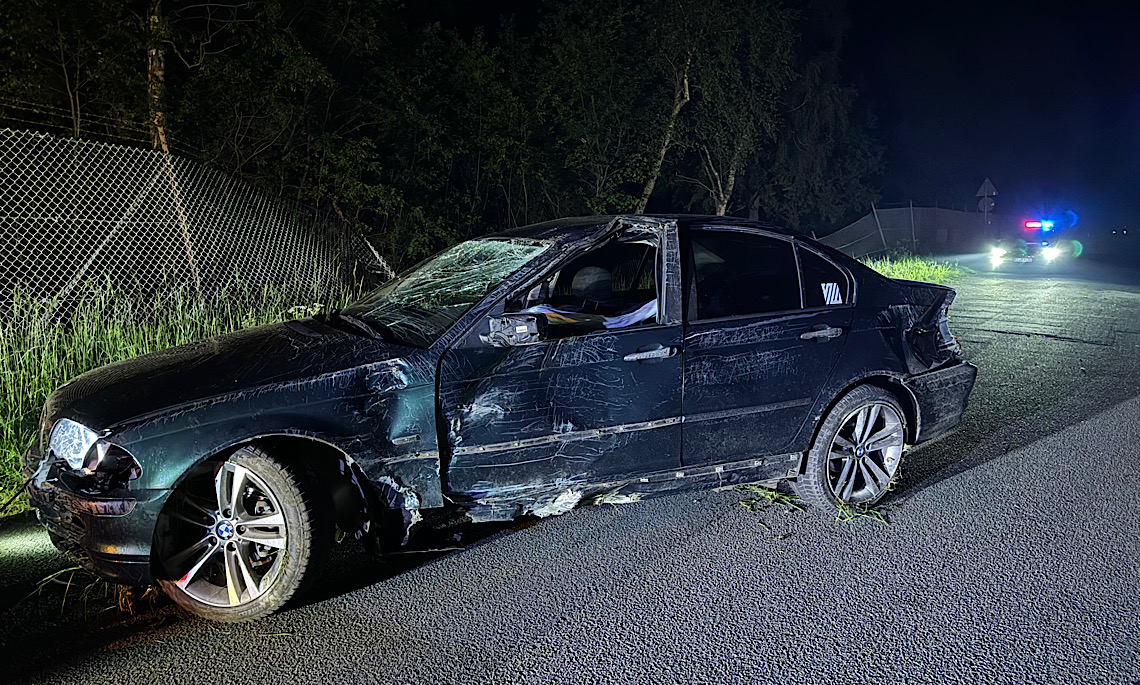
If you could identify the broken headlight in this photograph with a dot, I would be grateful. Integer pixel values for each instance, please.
(111, 462)
(98, 463)
(71, 441)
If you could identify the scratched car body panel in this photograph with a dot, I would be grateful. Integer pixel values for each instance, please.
(600, 359)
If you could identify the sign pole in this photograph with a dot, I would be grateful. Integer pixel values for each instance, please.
(986, 192)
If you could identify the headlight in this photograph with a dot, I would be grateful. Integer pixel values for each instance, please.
(111, 463)
(997, 253)
(71, 441)
(1050, 253)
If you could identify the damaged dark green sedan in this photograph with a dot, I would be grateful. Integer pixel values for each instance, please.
(601, 359)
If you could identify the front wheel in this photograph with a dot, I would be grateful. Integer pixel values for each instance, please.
(240, 537)
(855, 457)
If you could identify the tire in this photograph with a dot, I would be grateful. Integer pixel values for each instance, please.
(215, 563)
(851, 463)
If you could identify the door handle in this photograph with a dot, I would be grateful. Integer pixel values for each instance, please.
(822, 333)
(656, 353)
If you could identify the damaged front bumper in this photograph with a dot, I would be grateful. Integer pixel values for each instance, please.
(941, 395)
(107, 535)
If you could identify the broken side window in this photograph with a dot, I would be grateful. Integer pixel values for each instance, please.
(613, 286)
(422, 303)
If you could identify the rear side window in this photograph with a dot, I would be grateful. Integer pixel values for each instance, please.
(825, 285)
(737, 274)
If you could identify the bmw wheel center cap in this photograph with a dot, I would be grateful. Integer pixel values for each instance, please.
(224, 529)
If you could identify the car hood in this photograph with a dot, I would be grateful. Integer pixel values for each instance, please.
(255, 358)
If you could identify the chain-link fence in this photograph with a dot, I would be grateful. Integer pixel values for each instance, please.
(78, 214)
(919, 229)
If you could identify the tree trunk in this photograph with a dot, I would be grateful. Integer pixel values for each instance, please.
(155, 86)
(725, 195)
(680, 98)
(72, 92)
(155, 81)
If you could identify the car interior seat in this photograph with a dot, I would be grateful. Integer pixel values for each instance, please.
(592, 286)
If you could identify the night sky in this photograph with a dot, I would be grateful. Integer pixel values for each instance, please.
(1041, 97)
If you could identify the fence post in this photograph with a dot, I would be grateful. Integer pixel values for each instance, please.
(881, 236)
(913, 242)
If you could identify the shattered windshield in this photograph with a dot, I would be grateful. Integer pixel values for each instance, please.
(420, 304)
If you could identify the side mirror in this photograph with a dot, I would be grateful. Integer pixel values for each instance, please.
(512, 330)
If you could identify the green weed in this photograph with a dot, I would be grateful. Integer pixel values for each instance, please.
(766, 498)
(55, 578)
(45, 343)
(849, 515)
(912, 268)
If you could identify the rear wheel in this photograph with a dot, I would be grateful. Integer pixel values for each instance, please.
(855, 457)
(240, 537)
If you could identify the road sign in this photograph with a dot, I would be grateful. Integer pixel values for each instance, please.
(986, 204)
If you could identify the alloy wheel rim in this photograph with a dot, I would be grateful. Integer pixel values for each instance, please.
(229, 544)
(865, 453)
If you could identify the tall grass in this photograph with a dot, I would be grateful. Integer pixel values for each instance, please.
(43, 344)
(912, 268)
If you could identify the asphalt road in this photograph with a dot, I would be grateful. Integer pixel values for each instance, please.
(1012, 554)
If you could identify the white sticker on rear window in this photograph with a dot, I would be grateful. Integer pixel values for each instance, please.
(831, 293)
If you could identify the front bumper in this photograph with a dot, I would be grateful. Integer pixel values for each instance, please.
(109, 536)
(941, 395)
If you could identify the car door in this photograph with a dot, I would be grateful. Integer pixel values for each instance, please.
(583, 406)
(759, 346)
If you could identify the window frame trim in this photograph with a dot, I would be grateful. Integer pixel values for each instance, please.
(686, 247)
(852, 284)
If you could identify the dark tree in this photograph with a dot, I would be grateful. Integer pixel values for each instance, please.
(424, 132)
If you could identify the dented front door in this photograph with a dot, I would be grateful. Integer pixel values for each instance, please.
(529, 426)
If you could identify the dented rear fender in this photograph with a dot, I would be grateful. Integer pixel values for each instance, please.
(916, 326)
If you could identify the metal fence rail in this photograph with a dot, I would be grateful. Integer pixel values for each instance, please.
(77, 214)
